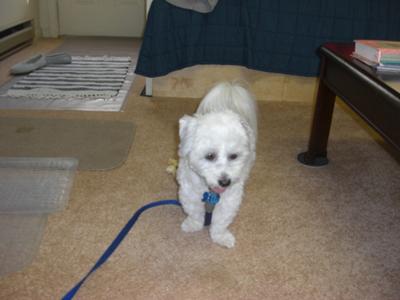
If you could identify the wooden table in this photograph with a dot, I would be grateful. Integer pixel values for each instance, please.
(366, 92)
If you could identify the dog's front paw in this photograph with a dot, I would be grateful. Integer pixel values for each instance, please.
(191, 225)
(225, 239)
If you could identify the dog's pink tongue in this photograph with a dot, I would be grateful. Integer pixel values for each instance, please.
(218, 190)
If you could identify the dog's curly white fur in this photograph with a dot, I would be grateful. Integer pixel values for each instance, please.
(216, 152)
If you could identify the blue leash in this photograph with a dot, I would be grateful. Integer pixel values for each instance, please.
(121, 235)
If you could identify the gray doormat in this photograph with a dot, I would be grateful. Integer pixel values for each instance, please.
(95, 83)
(98, 145)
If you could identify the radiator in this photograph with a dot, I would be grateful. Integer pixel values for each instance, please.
(14, 38)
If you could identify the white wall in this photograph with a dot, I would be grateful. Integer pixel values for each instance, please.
(13, 12)
(102, 17)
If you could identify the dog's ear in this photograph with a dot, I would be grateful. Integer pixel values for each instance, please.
(250, 133)
(187, 125)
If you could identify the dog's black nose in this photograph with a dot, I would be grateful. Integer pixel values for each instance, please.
(224, 182)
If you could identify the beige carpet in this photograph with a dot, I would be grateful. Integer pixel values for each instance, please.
(302, 233)
(98, 145)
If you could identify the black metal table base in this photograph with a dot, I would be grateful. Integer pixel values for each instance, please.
(313, 161)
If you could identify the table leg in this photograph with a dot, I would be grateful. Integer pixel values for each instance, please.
(316, 154)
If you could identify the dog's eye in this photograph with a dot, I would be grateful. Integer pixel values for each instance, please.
(233, 156)
(211, 156)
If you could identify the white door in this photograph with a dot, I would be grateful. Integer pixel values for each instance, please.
(123, 18)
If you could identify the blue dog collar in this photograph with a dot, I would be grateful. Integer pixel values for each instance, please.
(210, 199)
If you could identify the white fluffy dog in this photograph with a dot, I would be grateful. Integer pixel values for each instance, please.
(216, 153)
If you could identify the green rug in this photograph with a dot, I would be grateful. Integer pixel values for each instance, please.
(98, 145)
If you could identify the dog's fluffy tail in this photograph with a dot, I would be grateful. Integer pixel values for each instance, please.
(234, 97)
